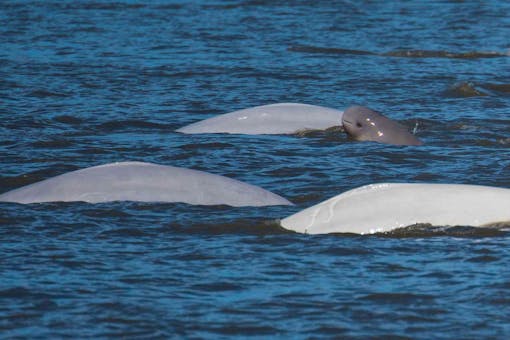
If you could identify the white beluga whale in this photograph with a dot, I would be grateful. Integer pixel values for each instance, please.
(360, 123)
(281, 118)
(388, 206)
(144, 182)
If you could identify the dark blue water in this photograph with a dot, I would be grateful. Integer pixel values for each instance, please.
(84, 83)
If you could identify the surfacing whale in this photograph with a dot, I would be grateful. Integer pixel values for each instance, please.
(281, 118)
(388, 206)
(363, 124)
(143, 182)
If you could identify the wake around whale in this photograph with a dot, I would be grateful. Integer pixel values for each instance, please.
(359, 122)
(388, 206)
(144, 182)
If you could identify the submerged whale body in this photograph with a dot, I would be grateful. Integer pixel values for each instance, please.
(143, 182)
(359, 122)
(388, 206)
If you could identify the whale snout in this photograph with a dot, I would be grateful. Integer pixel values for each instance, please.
(364, 124)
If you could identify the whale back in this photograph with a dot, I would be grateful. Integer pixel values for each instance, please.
(144, 182)
(364, 124)
(281, 118)
(387, 206)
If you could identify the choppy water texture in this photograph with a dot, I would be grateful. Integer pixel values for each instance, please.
(87, 83)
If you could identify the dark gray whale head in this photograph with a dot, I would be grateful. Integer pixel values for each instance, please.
(364, 124)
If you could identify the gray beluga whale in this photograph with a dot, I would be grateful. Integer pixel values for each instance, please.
(362, 124)
(144, 182)
(281, 118)
(388, 206)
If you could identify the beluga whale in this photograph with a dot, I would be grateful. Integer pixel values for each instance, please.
(383, 207)
(359, 122)
(144, 182)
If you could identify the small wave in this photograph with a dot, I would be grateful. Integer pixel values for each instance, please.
(255, 226)
(399, 53)
(223, 286)
(53, 144)
(331, 133)
(123, 233)
(483, 259)
(180, 74)
(443, 54)
(50, 37)
(505, 88)
(203, 146)
(169, 6)
(242, 329)
(464, 90)
(121, 125)
(504, 141)
(44, 94)
(471, 89)
(326, 50)
(427, 230)
(102, 6)
(69, 120)
(398, 298)
(23, 293)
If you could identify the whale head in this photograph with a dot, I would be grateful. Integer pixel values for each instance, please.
(364, 124)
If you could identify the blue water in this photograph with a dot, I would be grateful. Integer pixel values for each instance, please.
(84, 83)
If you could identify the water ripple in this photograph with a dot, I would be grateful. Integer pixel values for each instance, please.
(82, 85)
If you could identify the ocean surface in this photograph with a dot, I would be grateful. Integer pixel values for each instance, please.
(84, 83)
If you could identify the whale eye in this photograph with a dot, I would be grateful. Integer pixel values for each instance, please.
(358, 124)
